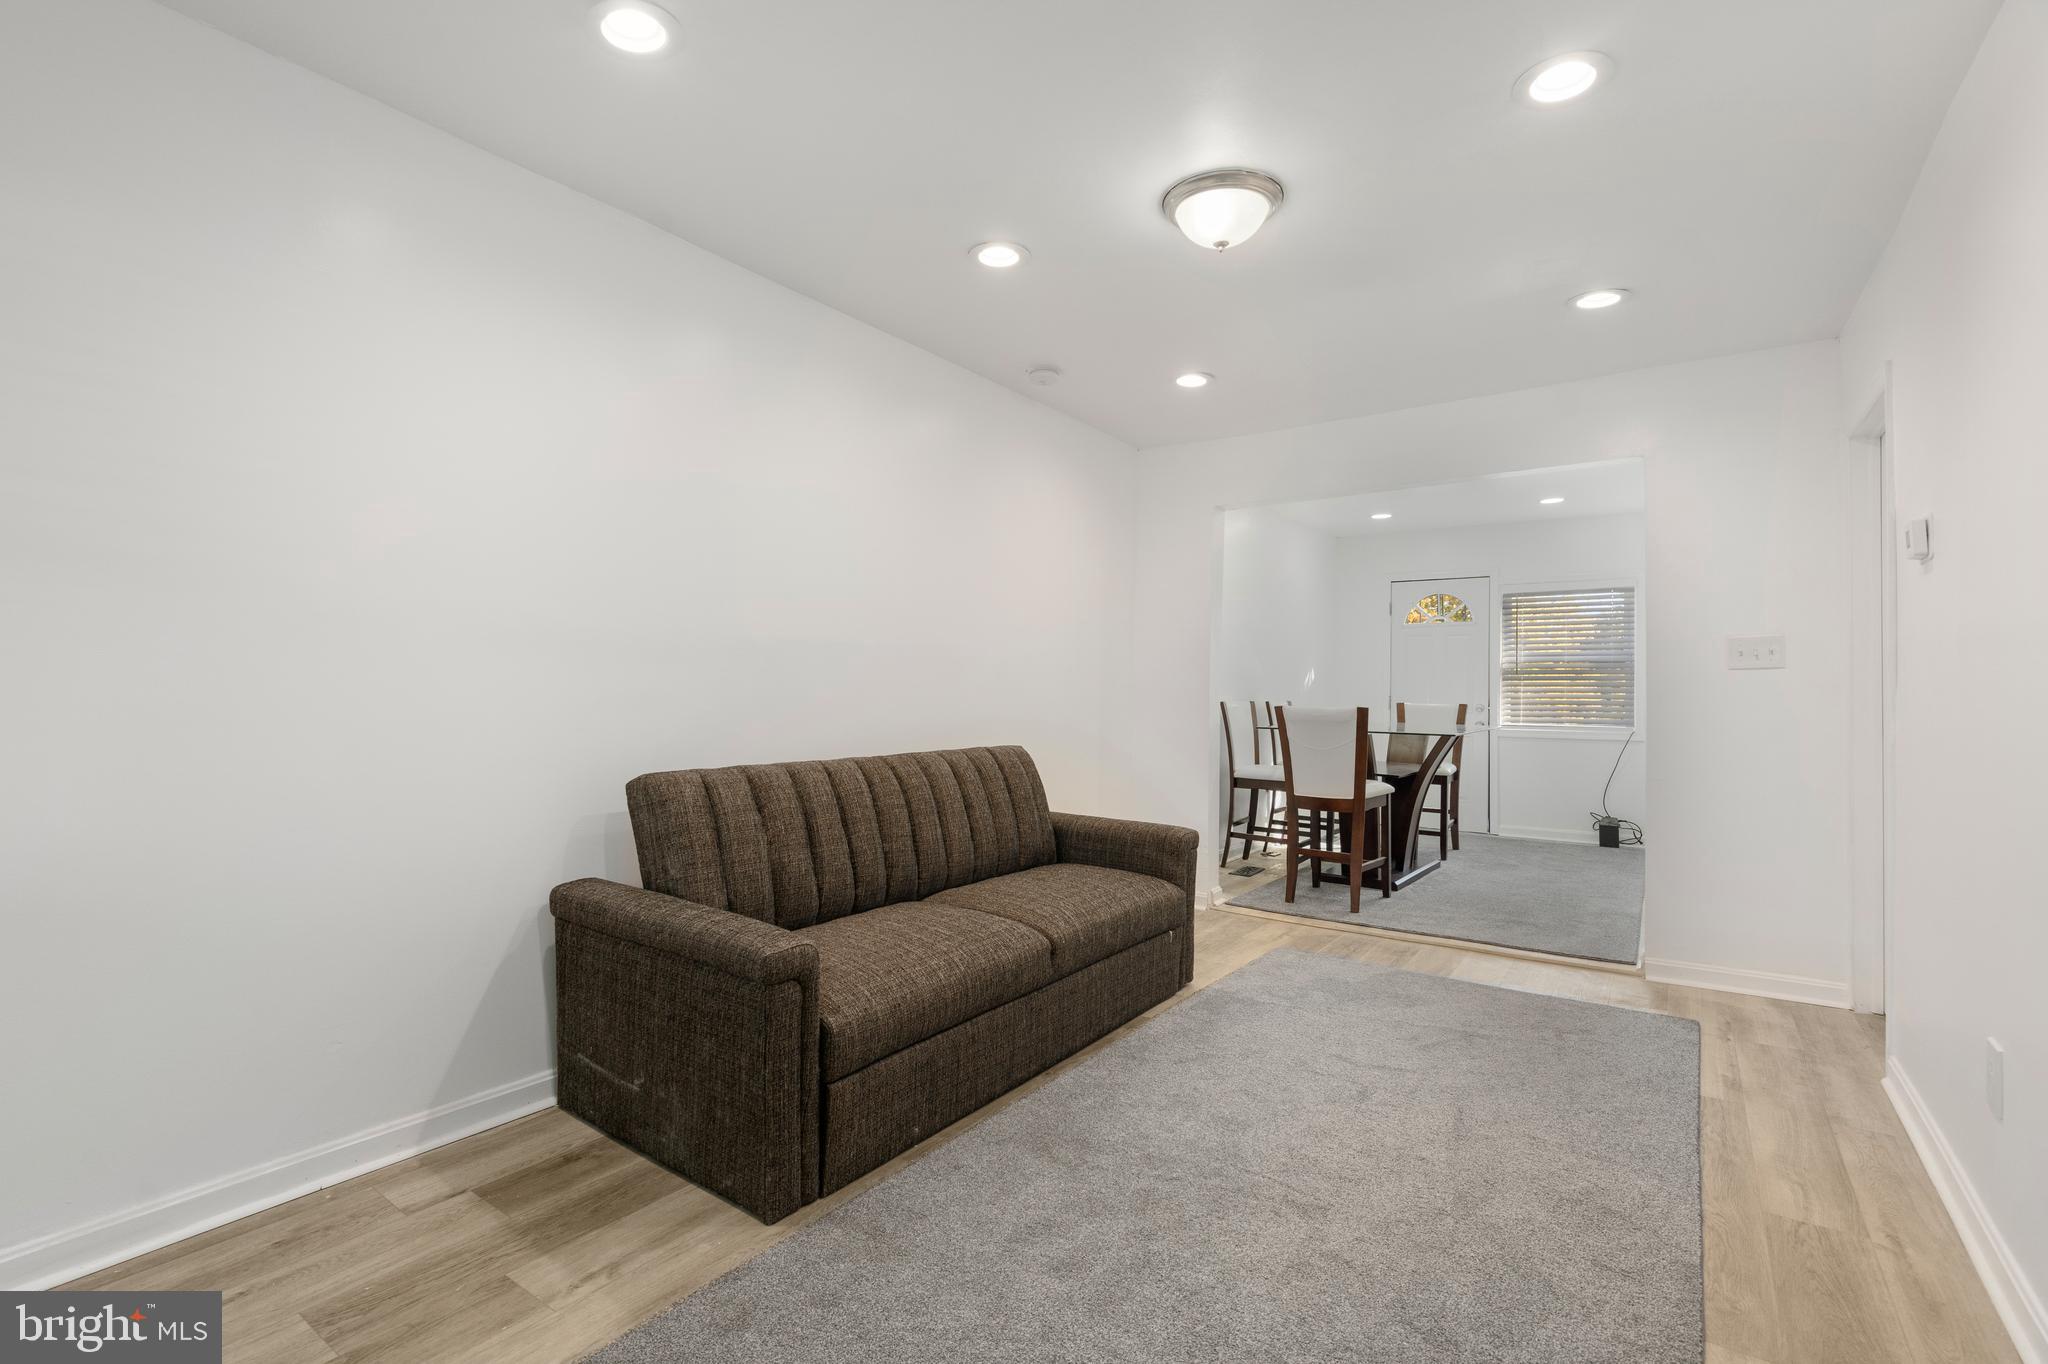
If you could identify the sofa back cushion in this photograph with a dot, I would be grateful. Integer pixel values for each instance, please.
(797, 843)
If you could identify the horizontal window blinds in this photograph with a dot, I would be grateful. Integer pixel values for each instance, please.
(1568, 658)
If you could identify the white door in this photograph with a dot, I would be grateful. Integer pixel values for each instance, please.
(1442, 654)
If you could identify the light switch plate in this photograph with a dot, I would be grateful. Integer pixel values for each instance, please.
(1756, 651)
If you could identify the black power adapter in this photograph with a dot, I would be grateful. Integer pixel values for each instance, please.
(1608, 825)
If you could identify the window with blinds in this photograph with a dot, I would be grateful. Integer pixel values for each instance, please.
(1568, 657)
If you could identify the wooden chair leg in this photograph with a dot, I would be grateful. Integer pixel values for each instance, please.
(1386, 848)
(1457, 799)
(1315, 842)
(1293, 861)
(1357, 867)
(1443, 819)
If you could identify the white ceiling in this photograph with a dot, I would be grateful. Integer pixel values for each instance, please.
(1607, 489)
(1741, 171)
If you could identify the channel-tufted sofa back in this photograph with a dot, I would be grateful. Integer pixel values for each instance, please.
(797, 843)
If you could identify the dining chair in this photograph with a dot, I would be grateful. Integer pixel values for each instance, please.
(1406, 753)
(1328, 761)
(1254, 777)
(1266, 752)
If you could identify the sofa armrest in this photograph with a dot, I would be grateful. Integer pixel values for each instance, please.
(1166, 851)
(744, 948)
(691, 1034)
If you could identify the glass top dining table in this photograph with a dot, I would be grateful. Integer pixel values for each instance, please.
(1411, 781)
(1427, 730)
(1373, 726)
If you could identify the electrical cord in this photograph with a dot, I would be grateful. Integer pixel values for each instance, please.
(1632, 832)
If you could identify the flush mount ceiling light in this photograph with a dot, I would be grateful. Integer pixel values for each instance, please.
(1550, 501)
(1194, 379)
(1597, 299)
(1045, 376)
(1220, 208)
(999, 255)
(634, 25)
(1563, 78)
(1382, 516)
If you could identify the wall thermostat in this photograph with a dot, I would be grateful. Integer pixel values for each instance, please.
(1918, 547)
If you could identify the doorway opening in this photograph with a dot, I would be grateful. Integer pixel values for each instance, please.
(1513, 601)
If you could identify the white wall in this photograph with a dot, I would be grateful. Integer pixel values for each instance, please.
(1748, 533)
(1274, 640)
(1545, 783)
(1959, 311)
(372, 510)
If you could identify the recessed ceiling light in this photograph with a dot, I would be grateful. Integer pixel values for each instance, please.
(999, 255)
(1382, 516)
(1220, 208)
(1551, 501)
(1194, 379)
(1563, 78)
(1599, 298)
(634, 25)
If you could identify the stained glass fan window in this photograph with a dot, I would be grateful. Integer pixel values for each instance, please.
(1439, 608)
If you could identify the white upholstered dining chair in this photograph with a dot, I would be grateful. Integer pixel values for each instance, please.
(1327, 759)
(1254, 778)
(1407, 752)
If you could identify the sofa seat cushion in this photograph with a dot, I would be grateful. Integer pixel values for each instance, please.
(1087, 913)
(889, 978)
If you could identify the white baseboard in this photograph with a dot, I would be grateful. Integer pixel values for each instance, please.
(1800, 989)
(80, 1250)
(1548, 835)
(2019, 1306)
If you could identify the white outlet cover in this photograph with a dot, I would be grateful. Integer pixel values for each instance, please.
(1756, 651)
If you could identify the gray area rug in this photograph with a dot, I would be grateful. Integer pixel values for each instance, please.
(1313, 1159)
(1573, 899)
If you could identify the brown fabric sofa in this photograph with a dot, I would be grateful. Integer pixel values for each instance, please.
(833, 960)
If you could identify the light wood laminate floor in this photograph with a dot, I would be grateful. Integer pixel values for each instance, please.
(540, 1240)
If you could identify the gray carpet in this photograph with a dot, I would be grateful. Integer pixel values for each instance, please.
(1573, 899)
(1313, 1159)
